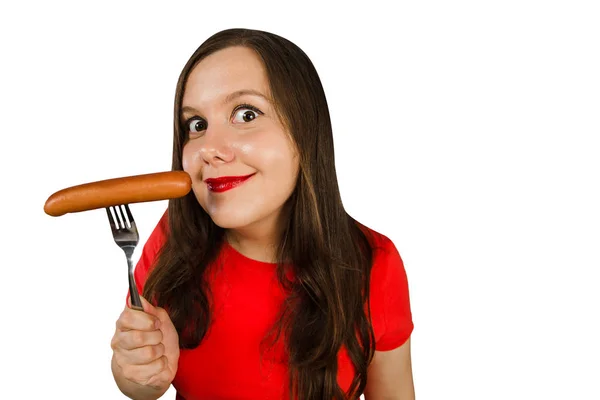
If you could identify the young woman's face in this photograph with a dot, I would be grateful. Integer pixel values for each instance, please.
(242, 161)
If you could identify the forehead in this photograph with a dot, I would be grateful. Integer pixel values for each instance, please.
(224, 72)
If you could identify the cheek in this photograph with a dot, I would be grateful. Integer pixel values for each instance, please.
(281, 167)
(269, 153)
(190, 159)
(283, 160)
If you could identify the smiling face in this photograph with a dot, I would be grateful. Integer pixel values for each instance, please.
(242, 161)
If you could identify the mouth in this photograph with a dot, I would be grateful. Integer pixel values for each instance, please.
(225, 183)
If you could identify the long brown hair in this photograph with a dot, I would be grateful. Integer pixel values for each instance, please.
(330, 253)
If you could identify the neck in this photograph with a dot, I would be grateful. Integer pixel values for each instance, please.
(258, 241)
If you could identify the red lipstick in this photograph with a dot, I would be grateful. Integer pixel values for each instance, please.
(225, 183)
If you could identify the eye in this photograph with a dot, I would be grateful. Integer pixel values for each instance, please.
(245, 113)
(195, 124)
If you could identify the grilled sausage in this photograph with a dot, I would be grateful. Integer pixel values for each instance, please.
(111, 192)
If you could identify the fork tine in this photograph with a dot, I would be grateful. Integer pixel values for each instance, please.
(111, 218)
(130, 217)
(122, 224)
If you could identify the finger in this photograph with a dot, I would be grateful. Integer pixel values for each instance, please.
(140, 356)
(160, 313)
(129, 340)
(148, 308)
(162, 316)
(137, 320)
(164, 377)
(142, 374)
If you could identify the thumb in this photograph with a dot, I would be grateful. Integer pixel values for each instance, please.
(148, 308)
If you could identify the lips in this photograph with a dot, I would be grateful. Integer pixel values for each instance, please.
(225, 183)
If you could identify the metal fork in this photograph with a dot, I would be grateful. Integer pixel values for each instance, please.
(126, 236)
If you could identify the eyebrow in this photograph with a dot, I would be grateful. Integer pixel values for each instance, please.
(232, 96)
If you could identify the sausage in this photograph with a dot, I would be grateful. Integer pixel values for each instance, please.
(111, 192)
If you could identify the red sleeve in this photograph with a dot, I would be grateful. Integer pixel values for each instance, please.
(149, 254)
(390, 302)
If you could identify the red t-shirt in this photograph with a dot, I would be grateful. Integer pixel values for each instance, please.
(246, 296)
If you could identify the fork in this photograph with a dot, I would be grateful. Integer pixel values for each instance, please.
(126, 236)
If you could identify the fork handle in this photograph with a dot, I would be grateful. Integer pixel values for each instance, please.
(136, 302)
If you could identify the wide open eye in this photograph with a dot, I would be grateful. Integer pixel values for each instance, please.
(245, 116)
(196, 125)
(245, 113)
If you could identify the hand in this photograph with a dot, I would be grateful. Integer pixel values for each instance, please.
(146, 346)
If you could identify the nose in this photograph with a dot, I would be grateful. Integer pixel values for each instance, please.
(214, 148)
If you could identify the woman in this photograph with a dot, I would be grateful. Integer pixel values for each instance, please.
(262, 286)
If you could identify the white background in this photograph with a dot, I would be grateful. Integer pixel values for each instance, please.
(466, 131)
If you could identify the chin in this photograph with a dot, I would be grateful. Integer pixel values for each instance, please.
(231, 220)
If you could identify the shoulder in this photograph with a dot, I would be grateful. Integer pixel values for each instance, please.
(389, 298)
(385, 255)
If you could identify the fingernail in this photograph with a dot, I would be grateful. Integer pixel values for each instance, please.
(157, 324)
